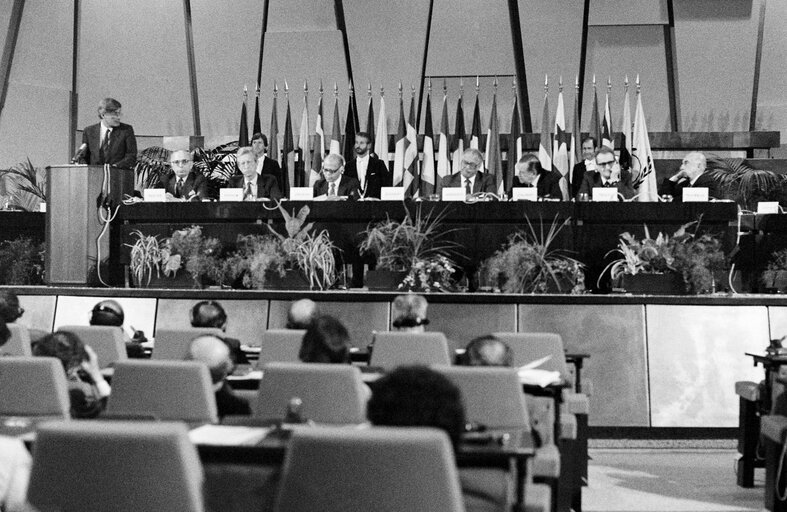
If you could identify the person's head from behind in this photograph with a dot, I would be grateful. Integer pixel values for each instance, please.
(107, 312)
(10, 310)
(212, 351)
(301, 314)
(208, 313)
(488, 351)
(409, 313)
(416, 396)
(527, 168)
(64, 345)
(5, 333)
(325, 341)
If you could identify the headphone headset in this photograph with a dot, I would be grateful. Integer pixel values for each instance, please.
(410, 321)
(106, 315)
(194, 314)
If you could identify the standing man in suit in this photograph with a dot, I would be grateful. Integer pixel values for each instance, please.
(470, 176)
(586, 165)
(182, 182)
(606, 164)
(369, 170)
(692, 174)
(529, 173)
(265, 165)
(334, 184)
(255, 186)
(110, 141)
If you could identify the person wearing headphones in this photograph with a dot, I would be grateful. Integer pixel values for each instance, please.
(109, 141)
(110, 312)
(209, 313)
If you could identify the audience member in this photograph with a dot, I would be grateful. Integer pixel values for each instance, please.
(255, 186)
(209, 313)
(110, 313)
(588, 164)
(15, 464)
(409, 313)
(326, 341)
(470, 176)
(301, 314)
(529, 173)
(182, 182)
(605, 177)
(213, 351)
(88, 390)
(5, 333)
(488, 351)
(692, 174)
(369, 170)
(334, 184)
(11, 311)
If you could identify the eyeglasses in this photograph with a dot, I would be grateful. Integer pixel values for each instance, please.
(180, 162)
(466, 163)
(331, 171)
(606, 164)
(116, 113)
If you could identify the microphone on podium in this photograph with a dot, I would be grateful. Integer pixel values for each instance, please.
(80, 154)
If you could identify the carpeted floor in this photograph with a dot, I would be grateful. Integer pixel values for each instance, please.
(667, 480)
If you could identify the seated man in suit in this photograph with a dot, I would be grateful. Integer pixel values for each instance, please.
(488, 351)
(369, 170)
(182, 183)
(334, 184)
(470, 176)
(529, 173)
(301, 314)
(255, 186)
(214, 353)
(209, 313)
(110, 141)
(692, 174)
(326, 341)
(265, 165)
(605, 177)
(110, 313)
(587, 164)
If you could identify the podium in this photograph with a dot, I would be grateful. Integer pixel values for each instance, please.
(76, 196)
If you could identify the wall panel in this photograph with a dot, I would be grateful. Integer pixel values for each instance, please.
(246, 319)
(628, 12)
(772, 100)
(140, 314)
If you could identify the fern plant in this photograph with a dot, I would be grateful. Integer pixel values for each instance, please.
(744, 184)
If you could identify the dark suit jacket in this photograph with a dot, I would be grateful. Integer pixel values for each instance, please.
(236, 352)
(548, 184)
(266, 186)
(483, 182)
(376, 176)
(592, 179)
(577, 175)
(122, 150)
(348, 186)
(676, 189)
(194, 182)
(271, 168)
(230, 404)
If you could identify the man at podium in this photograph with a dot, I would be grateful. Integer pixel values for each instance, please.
(110, 141)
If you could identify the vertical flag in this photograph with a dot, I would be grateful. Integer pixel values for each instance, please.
(319, 145)
(401, 143)
(370, 118)
(576, 136)
(645, 177)
(288, 154)
(350, 128)
(443, 158)
(273, 147)
(412, 177)
(545, 142)
(302, 176)
(336, 132)
(381, 138)
(428, 177)
(243, 131)
(560, 145)
(625, 132)
(493, 159)
(514, 144)
(257, 126)
(607, 135)
(458, 144)
(595, 122)
(475, 127)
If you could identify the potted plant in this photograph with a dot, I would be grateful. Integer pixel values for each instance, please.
(145, 259)
(26, 185)
(21, 262)
(528, 264)
(744, 184)
(412, 254)
(774, 278)
(200, 256)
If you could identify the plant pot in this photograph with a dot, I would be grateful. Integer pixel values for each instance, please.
(383, 280)
(564, 284)
(652, 284)
(292, 280)
(180, 280)
(774, 281)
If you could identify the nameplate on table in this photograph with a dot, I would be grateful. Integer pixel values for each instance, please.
(230, 194)
(768, 207)
(392, 193)
(605, 194)
(42, 207)
(524, 194)
(154, 195)
(454, 194)
(301, 193)
(695, 195)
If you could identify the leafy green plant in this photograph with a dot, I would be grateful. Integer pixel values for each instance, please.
(255, 258)
(746, 185)
(26, 185)
(145, 258)
(198, 255)
(430, 275)
(778, 260)
(528, 264)
(21, 262)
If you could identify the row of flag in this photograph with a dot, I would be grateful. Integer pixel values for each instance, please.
(421, 176)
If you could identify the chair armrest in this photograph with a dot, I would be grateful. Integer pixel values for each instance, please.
(774, 427)
(748, 390)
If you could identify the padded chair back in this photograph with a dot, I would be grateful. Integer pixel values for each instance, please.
(19, 343)
(331, 393)
(370, 469)
(492, 396)
(173, 344)
(164, 390)
(531, 346)
(95, 466)
(106, 341)
(33, 386)
(280, 346)
(392, 349)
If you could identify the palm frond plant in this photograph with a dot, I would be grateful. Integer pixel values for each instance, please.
(152, 164)
(744, 184)
(26, 185)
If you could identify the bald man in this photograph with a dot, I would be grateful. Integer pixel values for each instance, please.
(301, 314)
(409, 313)
(182, 183)
(692, 174)
(488, 351)
(212, 351)
(333, 184)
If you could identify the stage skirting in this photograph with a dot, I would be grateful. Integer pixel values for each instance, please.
(654, 361)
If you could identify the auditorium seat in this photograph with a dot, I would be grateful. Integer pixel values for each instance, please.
(162, 390)
(749, 404)
(106, 341)
(95, 466)
(173, 344)
(331, 393)
(391, 349)
(280, 345)
(33, 387)
(379, 468)
(19, 343)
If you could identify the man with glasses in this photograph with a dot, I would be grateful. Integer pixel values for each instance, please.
(255, 186)
(109, 141)
(182, 183)
(333, 184)
(608, 174)
(470, 176)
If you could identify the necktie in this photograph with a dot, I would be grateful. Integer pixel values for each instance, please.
(179, 188)
(468, 190)
(105, 145)
(332, 191)
(247, 194)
